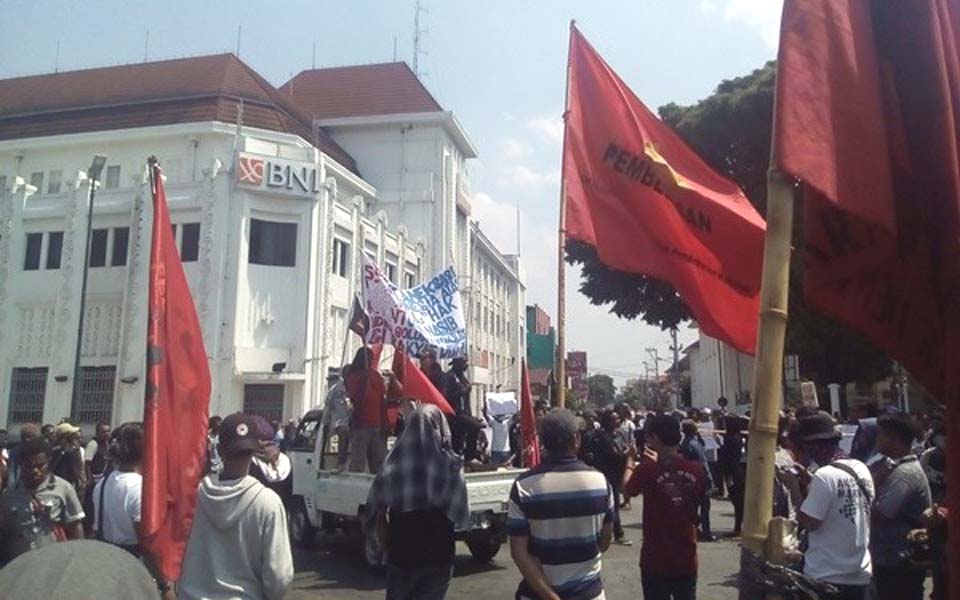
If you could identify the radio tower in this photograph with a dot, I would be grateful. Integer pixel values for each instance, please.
(418, 9)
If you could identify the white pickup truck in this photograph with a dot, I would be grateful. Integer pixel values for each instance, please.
(329, 500)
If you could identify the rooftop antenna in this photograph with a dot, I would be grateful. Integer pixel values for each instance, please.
(239, 35)
(56, 60)
(418, 9)
(146, 47)
(314, 63)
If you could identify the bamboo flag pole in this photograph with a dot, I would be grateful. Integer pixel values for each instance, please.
(561, 242)
(768, 373)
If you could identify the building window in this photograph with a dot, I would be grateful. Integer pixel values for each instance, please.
(28, 388)
(272, 243)
(409, 280)
(98, 248)
(391, 272)
(113, 177)
(190, 243)
(54, 249)
(121, 241)
(31, 259)
(54, 182)
(264, 400)
(36, 180)
(341, 254)
(95, 394)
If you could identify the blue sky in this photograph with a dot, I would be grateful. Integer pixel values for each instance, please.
(498, 64)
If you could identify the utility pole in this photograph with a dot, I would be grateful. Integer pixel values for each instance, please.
(655, 357)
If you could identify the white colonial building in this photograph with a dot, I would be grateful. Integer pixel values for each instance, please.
(271, 215)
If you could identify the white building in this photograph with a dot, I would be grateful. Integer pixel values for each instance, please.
(271, 216)
(415, 153)
(718, 370)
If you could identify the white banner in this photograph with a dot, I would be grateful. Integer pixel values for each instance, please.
(430, 314)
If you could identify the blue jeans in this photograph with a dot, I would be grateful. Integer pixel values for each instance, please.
(427, 583)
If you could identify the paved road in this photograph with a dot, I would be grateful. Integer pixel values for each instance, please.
(333, 568)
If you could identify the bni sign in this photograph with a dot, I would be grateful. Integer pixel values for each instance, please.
(278, 174)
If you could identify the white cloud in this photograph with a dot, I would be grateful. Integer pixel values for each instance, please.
(497, 220)
(762, 16)
(550, 127)
(514, 149)
(521, 175)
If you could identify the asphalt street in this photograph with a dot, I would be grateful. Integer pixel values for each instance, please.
(334, 567)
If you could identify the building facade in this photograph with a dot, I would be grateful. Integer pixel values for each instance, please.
(271, 217)
(577, 374)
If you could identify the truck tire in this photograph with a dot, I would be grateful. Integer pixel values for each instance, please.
(483, 546)
(302, 532)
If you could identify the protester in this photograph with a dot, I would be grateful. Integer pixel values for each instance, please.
(934, 463)
(271, 466)
(40, 509)
(238, 547)
(604, 450)
(214, 463)
(416, 502)
(28, 432)
(431, 368)
(732, 467)
(49, 432)
(116, 498)
(903, 495)
(499, 423)
(336, 417)
(560, 518)
(692, 448)
(626, 439)
(456, 390)
(66, 461)
(95, 456)
(673, 488)
(369, 391)
(836, 510)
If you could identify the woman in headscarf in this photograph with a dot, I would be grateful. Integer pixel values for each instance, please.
(416, 503)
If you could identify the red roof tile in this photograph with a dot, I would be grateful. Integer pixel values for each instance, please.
(205, 88)
(359, 91)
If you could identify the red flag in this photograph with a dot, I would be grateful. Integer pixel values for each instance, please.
(416, 384)
(868, 119)
(650, 205)
(528, 421)
(177, 399)
(867, 110)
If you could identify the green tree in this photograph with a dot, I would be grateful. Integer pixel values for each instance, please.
(601, 390)
(731, 130)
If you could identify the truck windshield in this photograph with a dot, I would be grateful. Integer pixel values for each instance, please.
(306, 437)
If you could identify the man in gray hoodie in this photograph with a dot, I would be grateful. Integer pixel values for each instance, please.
(238, 547)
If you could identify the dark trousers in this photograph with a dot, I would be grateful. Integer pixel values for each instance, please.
(705, 514)
(738, 475)
(898, 583)
(617, 524)
(852, 592)
(424, 583)
(661, 587)
(717, 476)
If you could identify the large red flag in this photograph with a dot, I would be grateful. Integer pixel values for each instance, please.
(177, 398)
(868, 119)
(528, 421)
(649, 205)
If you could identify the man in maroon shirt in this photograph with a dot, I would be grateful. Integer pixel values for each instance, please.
(369, 390)
(672, 487)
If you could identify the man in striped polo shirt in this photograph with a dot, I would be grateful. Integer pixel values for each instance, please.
(560, 518)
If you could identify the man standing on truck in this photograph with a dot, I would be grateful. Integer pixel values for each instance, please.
(560, 518)
(336, 417)
(369, 390)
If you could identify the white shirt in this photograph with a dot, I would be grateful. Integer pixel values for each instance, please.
(277, 471)
(500, 436)
(121, 507)
(839, 550)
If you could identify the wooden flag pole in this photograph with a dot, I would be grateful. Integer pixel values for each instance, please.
(561, 243)
(768, 373)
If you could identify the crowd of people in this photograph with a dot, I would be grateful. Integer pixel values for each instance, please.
(869, 504)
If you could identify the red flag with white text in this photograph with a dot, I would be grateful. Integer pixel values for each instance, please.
(649, 205)
(177, 399)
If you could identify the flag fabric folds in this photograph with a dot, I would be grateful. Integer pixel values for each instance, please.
(359, 322)
(649, 205)
(177, 399)
(868, 102)
(530, 452)
(416, 385)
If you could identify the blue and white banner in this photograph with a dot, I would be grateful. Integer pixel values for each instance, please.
(430, 314)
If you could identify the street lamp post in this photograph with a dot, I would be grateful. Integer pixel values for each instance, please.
(93, 174)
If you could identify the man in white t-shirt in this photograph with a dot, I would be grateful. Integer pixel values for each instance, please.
(836, 510)
(116, 498)
(498, 409)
